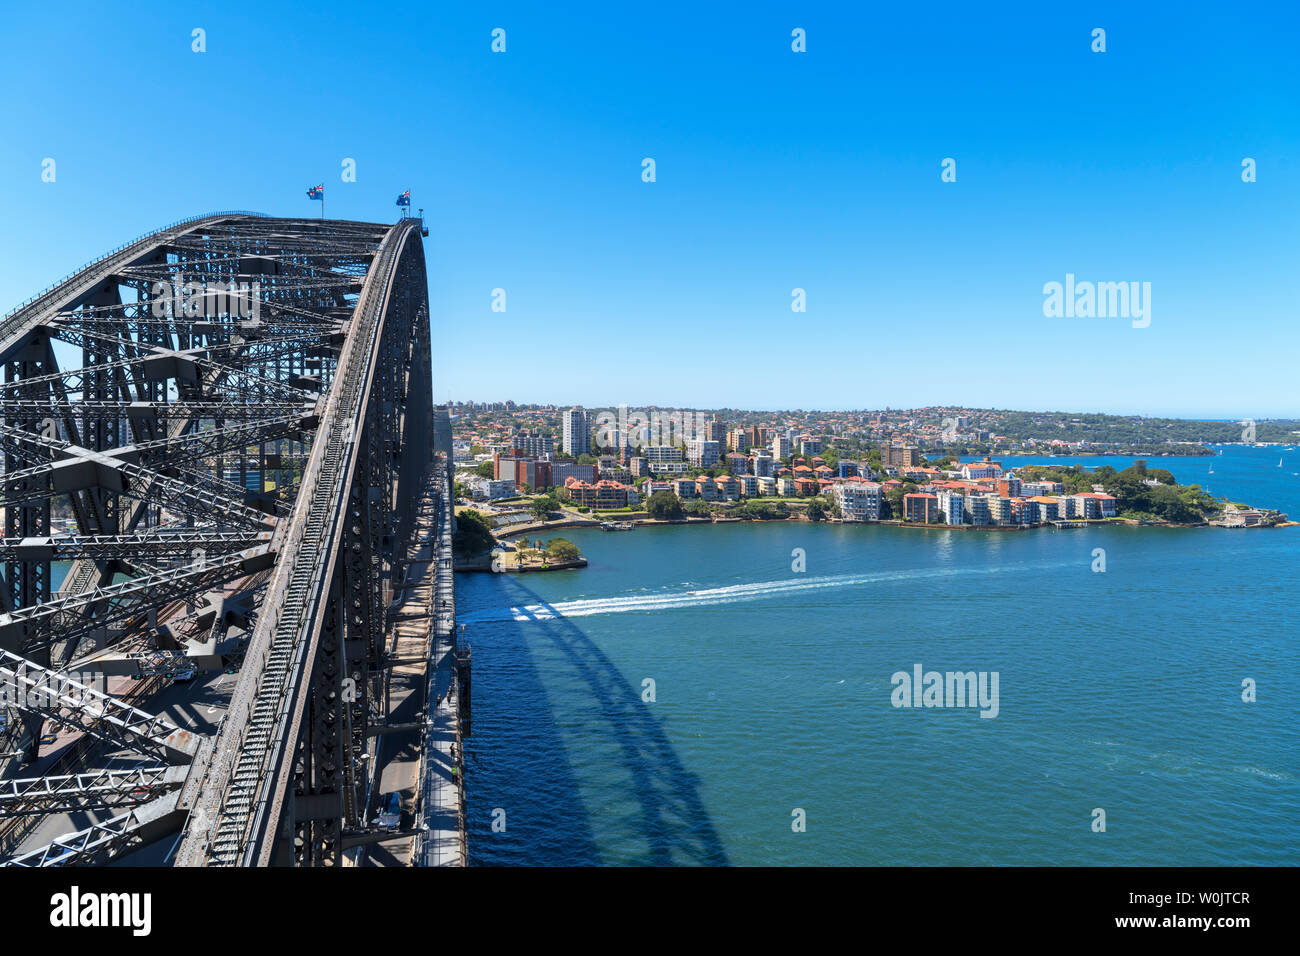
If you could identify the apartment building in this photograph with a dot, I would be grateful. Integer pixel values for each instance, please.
(1092, 504)
(576, 432)
(603, 494)
(562, 471)
(899, 456)
(920, 506)
(703, 453)
(1009, 486)
(858, 500)
(489, 489)
(764, 465)
(536, 446)
(952, 505)
(1049, 509)
(522, 471)
(706, 488)
(684, 488)
(978, 511)
(975, 470)
(728, 488)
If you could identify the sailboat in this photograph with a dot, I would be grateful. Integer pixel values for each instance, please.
(1279, 462)
(1211, 469)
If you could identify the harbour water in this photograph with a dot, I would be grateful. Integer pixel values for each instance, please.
(1119, 691)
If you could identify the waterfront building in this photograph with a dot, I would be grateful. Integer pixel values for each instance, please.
(764, 465)
(978, 510)
(806, 487)
(1049, 509)
(1092, 504)
(684, 488)
(766, 485)
(785, 487)
(952, 505)
(650, 487)
(920, 506)
(1000, 510)
(706, 488)
(858, 500)
(603, 494)
(1024, 511)
(728, 488)
(748, 485)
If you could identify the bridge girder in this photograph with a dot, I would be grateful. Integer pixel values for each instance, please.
(284, 439)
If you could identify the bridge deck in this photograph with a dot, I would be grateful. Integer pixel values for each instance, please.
(413, 763)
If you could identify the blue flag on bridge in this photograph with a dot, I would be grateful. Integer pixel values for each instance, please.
(316, 192)
(404, 199)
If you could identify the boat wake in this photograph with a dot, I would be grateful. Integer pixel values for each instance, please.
(756, 591)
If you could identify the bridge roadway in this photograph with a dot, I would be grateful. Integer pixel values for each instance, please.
(415, 761)
(243, 486)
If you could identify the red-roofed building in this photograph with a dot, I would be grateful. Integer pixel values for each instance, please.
(920, 506)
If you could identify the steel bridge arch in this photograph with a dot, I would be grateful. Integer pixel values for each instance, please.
(166, 436)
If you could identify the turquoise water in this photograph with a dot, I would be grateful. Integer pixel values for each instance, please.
(1118, 690)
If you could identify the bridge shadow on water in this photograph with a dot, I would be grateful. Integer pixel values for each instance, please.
(669, 825)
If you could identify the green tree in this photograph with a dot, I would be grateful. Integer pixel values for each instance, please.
(664, 505)
(816, 509)
(562, 549)
(473, 534)
(484, 469)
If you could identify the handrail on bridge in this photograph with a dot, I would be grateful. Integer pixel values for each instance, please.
(112, 252)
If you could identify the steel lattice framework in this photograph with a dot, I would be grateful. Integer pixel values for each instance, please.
(237, 410)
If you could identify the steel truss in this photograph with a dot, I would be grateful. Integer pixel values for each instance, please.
(200, 441)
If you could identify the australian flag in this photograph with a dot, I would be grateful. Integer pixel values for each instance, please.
(404, 199)
(316, 192)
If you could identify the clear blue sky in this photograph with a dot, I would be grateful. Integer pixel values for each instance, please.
(775, 170)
